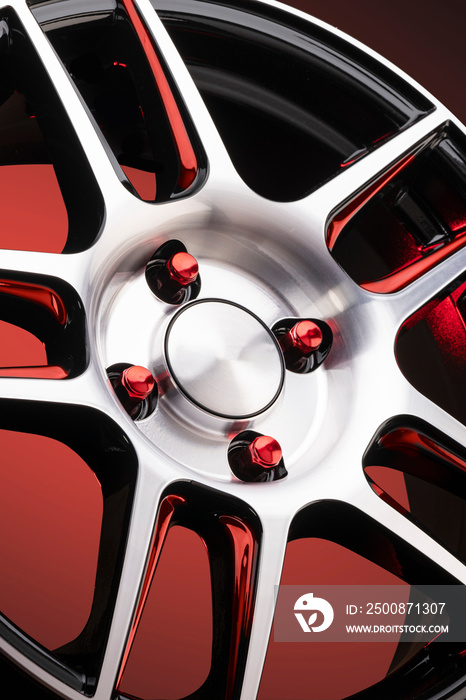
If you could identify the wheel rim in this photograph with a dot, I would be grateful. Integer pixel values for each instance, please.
(271, 258)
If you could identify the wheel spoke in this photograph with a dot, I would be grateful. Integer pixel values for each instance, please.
(270, 565)
(354, 185)
(77, 113)
(82, 390)
(72, 269)
(422, 407)
(220, 166)
(135, 571)
(373, 506)
(421, 291)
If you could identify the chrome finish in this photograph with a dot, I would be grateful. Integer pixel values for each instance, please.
(224, 359)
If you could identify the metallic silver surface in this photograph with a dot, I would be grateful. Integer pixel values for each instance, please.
(224, 359)
(270, 258)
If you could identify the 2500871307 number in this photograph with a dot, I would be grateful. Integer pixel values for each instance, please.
(404, 608)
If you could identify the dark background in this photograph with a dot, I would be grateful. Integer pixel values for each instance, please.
(426, 38)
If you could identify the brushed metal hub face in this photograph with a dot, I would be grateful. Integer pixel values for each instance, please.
(224, 359)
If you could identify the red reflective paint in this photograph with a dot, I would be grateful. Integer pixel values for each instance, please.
(138, 382)
(390, 485)
(414, 269)
(35, 372)
(171, 651)
(187, 157)
(183, 268)
(19, 348)
(415, 444)
(306, 336)
(164, 518)
(42, 296)
(50, 518)
(326, 671)
(340, 219)
(431, 351)
(145, 183)
(421, 476)
(265, 451)
(34, 215)
(244, 552)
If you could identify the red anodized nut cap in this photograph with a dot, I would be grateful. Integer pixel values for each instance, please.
(183, 268)
(265, 452)
(306, 336)
(138, 382)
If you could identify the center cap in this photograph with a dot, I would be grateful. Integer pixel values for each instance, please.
(224, 358)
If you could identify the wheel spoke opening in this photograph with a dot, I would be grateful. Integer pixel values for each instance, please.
(122, 79)
(42, 325)
(331, 544)
(50, 199)
(66, 500)
(409, 220)
(196, 602)
(285, 141)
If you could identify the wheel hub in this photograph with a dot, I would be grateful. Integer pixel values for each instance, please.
(224, 359)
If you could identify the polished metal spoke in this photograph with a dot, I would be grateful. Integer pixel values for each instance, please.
(397, 524)
(154, 476)
(273, 545)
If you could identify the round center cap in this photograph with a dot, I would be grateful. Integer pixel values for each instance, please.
(224, 358)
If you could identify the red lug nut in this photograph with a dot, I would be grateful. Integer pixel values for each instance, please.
(306, 336)
(265, 452)
(138, 382)
(256, 458)
(183, 268)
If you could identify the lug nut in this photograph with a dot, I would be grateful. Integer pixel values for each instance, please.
(138, 382)
(306, 336)
(173, 274)
(135, 388)
(304, 343)
(265, 452)
(183, 268)
(256, 457)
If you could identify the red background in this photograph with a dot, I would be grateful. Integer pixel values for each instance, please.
(423, 37)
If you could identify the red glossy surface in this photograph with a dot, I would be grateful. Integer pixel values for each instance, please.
(431, 351)
(327, 671)
(390, 485)
(414, 269)
(422, 478)
(183, 268)
(34, 215)
(265, 451)
(244, 550)
(340, 220)
(415, 444)
(187, 157)
(164, 518)
(50, 519)
(42, 296)
(306, 336)
(144, 183)
(24, 355)
(138, 382)
(19, 348)
(35, 372)
(171, 652)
